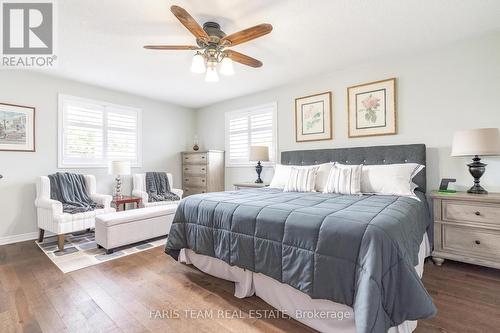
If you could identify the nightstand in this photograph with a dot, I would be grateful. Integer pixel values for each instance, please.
(239, 186)
(124, 200)
(467, 228)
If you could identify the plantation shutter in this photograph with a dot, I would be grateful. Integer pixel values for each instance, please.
(83, 133)
(122, 134)
(92, 134)
(246, 128)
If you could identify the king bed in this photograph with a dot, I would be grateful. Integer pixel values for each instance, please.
(337, 263)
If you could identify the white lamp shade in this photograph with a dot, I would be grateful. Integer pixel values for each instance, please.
(226, 66)
(481, 142)
(198, 64)
(119, 168)
(259, 153)
(211, 75)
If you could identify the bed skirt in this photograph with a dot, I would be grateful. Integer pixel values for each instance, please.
(335, 317)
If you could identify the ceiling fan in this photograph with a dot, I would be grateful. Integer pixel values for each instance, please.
(212, 45)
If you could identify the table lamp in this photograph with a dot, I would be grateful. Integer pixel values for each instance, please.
(118, 169)
(476, 142)
(259, 154)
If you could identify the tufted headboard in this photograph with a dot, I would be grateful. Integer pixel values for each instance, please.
(362, 155)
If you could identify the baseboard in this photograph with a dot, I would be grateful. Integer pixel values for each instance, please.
(18, 238)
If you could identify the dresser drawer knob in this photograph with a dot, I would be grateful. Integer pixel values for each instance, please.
(187, 179)
(477, 242)
(478, 213)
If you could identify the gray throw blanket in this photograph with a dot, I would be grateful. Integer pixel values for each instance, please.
(70, 189)
(351, 249)
(158, 187)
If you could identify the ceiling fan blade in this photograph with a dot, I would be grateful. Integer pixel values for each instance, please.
(189, 22)
(171, 47)
(243, 59)
(248, 34)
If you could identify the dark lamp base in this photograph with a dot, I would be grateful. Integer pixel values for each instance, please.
(477, 190)
(477, 169)
(258, 169)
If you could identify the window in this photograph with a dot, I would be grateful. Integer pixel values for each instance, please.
(92, 133)
(250, 127)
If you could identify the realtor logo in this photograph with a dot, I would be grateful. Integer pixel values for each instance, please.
(28, 30)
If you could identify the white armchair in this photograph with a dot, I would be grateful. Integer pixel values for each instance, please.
(50, 213)
(140, 191)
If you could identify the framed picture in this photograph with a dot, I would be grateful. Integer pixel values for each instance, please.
(372, 108)
(313, 117)
(17, 128)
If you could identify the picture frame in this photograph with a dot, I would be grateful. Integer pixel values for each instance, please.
(314, 117)
(17, 128)
(371, 108)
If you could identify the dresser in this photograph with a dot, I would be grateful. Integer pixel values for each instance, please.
(202, 172)
(467, 228)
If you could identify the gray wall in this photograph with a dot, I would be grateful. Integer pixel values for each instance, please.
(167, 130)
(438, 91)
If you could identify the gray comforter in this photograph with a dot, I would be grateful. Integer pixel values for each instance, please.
(356, 250)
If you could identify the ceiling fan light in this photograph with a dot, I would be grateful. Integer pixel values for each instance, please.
(226, 66)
(211, 75)
(198, 64)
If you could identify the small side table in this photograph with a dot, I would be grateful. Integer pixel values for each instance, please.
(124, 200)
(467, 228)
(239, 186)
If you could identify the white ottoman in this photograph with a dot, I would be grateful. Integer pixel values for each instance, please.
(131, 226)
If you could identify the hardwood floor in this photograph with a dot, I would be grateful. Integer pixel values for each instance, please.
(123, 295)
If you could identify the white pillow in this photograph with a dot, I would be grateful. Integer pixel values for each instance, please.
(344, 179)
(282, 174)
(301, 180)
(390, 179)
(322, 175)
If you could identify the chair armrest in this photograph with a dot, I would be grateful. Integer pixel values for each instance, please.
(141, 194)
(103, 199)
(53, 205)
(177, 191)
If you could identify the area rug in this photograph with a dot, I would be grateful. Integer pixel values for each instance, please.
(80, 250)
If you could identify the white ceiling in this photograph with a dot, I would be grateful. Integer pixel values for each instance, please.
(100, 42)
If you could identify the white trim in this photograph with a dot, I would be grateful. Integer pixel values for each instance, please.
(18, 238)
(274, 106)
(60, 131)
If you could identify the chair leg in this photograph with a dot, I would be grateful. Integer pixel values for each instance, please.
(60, 242)
(41, 233)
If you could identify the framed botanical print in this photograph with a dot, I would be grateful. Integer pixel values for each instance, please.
(17, 128)
(313, 117)
(372, 108)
